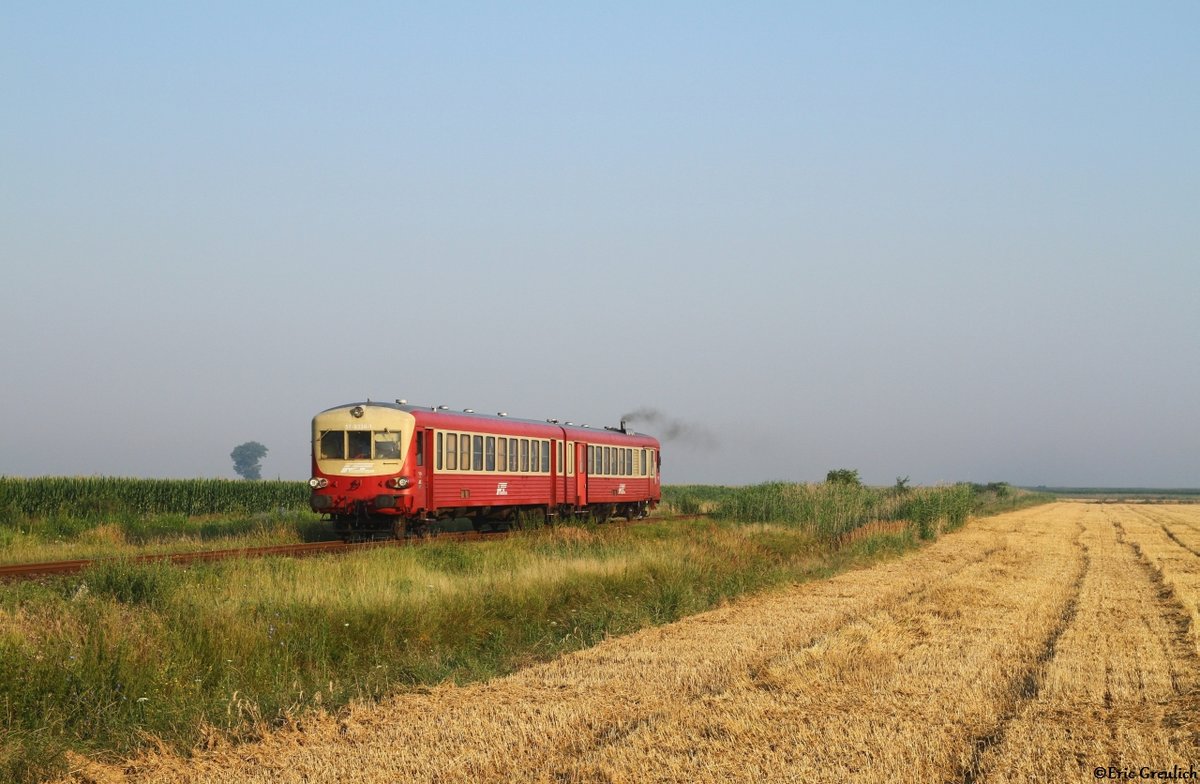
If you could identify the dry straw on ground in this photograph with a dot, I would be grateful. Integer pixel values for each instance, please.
(1037, 645)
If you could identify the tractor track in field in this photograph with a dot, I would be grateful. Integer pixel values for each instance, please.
(1027, 685)
(31, 571)
(1119, 674)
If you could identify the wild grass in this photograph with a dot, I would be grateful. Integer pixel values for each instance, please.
(693, 499)
(58, 538)
(100, 662)
(832, 510)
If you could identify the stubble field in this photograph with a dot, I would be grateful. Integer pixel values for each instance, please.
(1037, 645)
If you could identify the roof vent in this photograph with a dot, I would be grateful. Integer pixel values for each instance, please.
(401, 401)
(468, 411)
(501, 413)
(443, 408)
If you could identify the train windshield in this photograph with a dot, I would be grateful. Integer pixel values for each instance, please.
(358, 445)
(387, 446)
(333, 445)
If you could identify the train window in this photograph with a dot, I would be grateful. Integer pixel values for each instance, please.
(438, 451)
(560, 457)
(605, 459)
(502, 454)
(524, 454)
(591, 459)
(513, 458)
(387, 446)
(359, 446)
(452, 451)
(641, 462)
(570, 457)
(489, 454)
(545, 457)
(628, 462)
(533, 456)
(420, 448)
(653, 462)
(333, 445)
(477, 453)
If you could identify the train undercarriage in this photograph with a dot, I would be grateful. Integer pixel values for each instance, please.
(365, 524)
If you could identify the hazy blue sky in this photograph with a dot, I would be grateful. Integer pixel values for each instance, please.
(954, 241)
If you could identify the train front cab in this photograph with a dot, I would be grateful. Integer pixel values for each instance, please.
(361, 468)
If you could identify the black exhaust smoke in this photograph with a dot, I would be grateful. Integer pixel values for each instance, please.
(669, 428)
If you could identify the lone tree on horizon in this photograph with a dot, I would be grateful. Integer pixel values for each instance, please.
(246, 458)
(844, 476)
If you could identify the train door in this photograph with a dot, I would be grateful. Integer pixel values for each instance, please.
(425, 459)
(580, 473)
(555, 456)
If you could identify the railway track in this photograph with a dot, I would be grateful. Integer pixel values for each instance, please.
(31, 571)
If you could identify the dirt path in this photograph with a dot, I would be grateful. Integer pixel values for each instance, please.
(1037, 645)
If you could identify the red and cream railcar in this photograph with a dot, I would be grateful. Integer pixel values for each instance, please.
(392, 468)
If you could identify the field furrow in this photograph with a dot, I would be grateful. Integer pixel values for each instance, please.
(1154, 532)
(1035, 645)
(1120, 689)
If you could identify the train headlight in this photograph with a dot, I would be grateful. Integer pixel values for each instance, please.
(317, 482)
(400, 482)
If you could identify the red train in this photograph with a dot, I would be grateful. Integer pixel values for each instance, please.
(393, 468)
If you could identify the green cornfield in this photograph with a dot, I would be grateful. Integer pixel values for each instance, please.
(98, 497)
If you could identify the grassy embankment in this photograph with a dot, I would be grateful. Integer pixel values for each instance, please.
(66, 518)
(104, 661)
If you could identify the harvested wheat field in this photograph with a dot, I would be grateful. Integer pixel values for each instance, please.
(1037, 645)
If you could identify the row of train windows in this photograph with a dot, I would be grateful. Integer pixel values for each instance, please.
(620, 461)
(468, 452)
